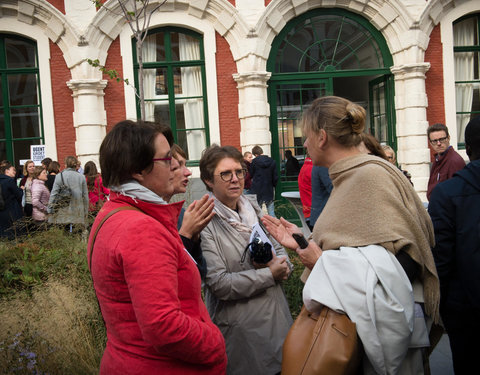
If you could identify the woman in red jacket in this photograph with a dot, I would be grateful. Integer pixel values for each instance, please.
(97, 193)
(147, 284)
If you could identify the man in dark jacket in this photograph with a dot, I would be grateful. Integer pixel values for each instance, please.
(455, 211)
(264, 179)
(12, 197)
(447, 160)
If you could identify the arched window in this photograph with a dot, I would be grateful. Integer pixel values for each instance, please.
(327, 52)
(174, 86)
(20, 104)
(466, 32)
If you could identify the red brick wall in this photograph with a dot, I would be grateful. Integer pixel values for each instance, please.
(62, 104)
(227, 94)
(434, 79)
(267, 2)
(114, 92)
(232, 2)
(59, 4)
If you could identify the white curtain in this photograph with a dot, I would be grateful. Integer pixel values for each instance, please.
(192, 86)
(464, 36)
(149, 54)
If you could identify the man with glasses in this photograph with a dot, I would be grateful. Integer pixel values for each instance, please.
(447, 160)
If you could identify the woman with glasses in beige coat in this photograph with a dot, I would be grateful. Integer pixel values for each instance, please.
(244, 299)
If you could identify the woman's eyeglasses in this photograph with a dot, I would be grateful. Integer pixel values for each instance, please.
(167, 160)
(228, 175)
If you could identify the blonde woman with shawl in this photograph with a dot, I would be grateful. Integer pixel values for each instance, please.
(370, 255)
(245, 300)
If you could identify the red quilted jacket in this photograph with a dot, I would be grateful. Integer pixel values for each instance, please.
(149, 291)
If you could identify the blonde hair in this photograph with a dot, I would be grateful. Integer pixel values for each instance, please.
(25, 166)
(341, 119)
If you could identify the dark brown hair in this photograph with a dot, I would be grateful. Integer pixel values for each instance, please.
(437, 128)
(129, 148)
(71, 162)
(54, 167)
(341, 119)
(37, 171)
(212, 156)
(91, 173)
(177, 150)
(372, 145)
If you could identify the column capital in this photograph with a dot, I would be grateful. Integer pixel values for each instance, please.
(252, 78)
(415, 70)
(84, 86)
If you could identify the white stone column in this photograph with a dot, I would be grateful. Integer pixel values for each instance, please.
(254, 110)
(411, 102)
(89, 117)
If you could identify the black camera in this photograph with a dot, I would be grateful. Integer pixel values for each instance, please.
(260, 252)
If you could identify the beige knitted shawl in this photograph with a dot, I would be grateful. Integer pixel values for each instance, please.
(373, 203)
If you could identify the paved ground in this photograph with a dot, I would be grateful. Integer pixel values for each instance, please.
(441, 358)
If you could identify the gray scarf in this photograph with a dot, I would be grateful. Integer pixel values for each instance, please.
(135, 190)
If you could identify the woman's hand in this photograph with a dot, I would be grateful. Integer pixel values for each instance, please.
(279, 267)
(196, 217)
(281, 230)
(310, 254)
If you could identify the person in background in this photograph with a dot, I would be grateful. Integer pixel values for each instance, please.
(245, 299)
(247, 158)
(12, 198)
(77, 210)
(455, 211)
(370, 256)
(26, 185)
(197, 215)
(97, 193)
(305, 189)
(264, 179)
(79, 167)
(447, 160)
(392, 159)
(46, 163)
(40, 196)
(53, 170)
(148, 286)
(292, 166)
(321, 189)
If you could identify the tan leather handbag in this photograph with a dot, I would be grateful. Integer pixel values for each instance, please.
(322, 343)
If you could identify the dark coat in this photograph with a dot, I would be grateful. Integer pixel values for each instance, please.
(455, 211)
(12, 195)
(264, 178)
(321, 188)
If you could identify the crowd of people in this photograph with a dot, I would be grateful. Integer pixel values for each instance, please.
(31, 196)
(375, 253)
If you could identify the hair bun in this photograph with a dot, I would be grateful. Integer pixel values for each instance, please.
(356, 115)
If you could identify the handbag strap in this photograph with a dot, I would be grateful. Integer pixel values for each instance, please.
(61, 176)
(122, 208)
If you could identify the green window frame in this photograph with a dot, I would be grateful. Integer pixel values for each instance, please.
(466, 51)
(175, 86)
(21, 123)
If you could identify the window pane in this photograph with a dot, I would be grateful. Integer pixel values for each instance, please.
(25, 122)
(162, 113)
(174, 46)
(191, 81)
(189, 48)
(21, 149)
(153, 48)
(2, 125)
(193, 142)
(155, 82)
(189, 113)
(177, 81)
(3, 151)
(22, 89)
(20, 54)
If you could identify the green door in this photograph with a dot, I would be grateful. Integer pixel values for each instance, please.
(288, 102)
(382, 113)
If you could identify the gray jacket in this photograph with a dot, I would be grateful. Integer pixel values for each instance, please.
(247, 304)
(76, 212)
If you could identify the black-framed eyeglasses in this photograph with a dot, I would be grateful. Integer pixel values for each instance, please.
(168, 160)
(441, 140)
(228, 175)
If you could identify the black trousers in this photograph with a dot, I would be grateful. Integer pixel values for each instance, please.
(463, 329)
